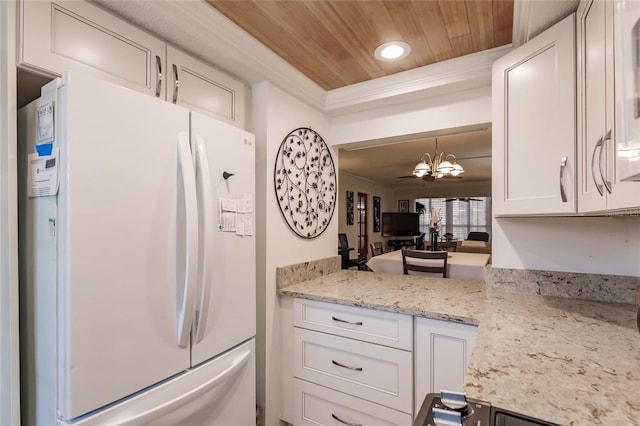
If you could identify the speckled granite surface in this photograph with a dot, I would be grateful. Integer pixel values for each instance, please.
(292, 274)
(573, 362)
(607, 288)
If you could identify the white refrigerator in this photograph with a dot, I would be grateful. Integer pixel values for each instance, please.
(137, 261)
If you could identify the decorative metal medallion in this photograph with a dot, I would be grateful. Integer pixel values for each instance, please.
(305, 182)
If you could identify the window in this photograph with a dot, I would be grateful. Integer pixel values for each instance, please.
(457, 216)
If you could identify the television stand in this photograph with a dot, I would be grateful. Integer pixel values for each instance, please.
(401, 243)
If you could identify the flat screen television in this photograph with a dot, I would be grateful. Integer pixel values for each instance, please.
(400, 224)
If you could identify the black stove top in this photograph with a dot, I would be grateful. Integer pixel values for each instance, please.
(453, 408)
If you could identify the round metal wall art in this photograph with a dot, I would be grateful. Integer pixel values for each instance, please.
(305, 182)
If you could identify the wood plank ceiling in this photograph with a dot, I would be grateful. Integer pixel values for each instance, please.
(332, 41)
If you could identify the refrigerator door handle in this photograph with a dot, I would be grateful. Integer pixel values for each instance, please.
(187, 304)
(206, 220)
(207, 387)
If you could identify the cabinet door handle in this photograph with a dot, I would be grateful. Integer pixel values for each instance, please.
(159, 75)
(347, 322)
(593, 160)
(343, 422)
(176, 83)
(563, 165)
(607, 184)
(346, 366)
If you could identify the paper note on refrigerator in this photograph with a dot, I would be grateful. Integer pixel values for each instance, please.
(227, 221)
(244, 224)
(228, 205)
(45, 129)
(43, 175)
(245, 203)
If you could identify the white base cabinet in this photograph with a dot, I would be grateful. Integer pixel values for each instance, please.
(442, 352)
(362, 366)
(342, 371)
(318, 405)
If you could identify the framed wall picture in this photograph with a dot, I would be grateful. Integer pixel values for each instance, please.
(376, 214)
(349, 207)
(403, 206)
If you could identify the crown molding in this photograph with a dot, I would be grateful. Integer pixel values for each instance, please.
(460, 73)
(521, 22)
(197, 28)
(202, 31)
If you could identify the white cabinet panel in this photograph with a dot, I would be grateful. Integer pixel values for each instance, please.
(317, 405)
(534, 125)
(202, 88)
(74, 35)
(384, 328)
(442, 351)
(372, 372)
(599, 139)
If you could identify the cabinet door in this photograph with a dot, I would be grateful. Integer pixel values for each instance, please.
(202, 88)
(534, 125)
(74, 35)
(442, 351)
(599, 188)
(592, 105)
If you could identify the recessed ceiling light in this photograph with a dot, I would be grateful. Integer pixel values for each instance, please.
(392, 51)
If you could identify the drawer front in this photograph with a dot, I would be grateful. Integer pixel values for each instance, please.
(381, 327)
(317, 405)
(372, 372)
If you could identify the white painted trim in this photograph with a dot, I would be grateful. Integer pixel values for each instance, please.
(458, 72)
(225, 45)
(521, 22)
(9, 337)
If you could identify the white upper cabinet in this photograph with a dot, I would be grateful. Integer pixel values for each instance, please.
(599, 187)
(75, 35)
(534, 148)
(200, 87)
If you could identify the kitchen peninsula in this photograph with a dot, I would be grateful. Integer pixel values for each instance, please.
(563, 360)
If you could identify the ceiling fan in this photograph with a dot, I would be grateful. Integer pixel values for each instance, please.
(465, 199)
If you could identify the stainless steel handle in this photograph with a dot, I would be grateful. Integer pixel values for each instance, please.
(176, 83)
(593, 159)
(346, 366)
(347, 322)
(187, 305)
(159, 73)
(607, 184)
(563, 165)
(205, 273)
(343, 422)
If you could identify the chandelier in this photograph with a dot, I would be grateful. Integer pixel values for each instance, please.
(438, 166)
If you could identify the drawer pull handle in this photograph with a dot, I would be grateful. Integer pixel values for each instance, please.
(343, 422)
(346, 366)
(347, 322)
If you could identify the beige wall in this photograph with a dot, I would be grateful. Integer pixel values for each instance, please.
(388, 202)
(274, 114)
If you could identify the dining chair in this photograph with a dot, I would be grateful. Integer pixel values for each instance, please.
(478, 236)
(344, 250)
(436, 267)
(376, 248)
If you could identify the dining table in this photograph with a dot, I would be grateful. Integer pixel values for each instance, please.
(464, 266)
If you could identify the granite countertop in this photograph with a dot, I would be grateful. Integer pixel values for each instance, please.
(569, 361)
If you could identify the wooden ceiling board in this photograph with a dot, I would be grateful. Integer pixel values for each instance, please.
(332, 41)
(480, 15)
